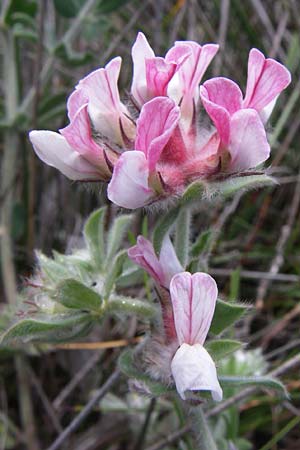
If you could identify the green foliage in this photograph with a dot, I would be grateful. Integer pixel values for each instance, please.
(162, 227)
(259, 382)
(226, 314)
(68, 9)
(48, 328)
(75, 295)
(220, 348)
(94, 236)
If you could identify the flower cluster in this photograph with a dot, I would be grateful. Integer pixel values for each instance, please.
(154, 146)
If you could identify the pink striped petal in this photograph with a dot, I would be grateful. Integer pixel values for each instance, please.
(143, 255)
(129, 184)
(193, 299)
(75, 101)
(141, 51)
(155, 125)
(169, 261)
(158, 74)
(54, 150)
(221, 98)
(266, 79)
(104, 105)
(183, 87)
(248, 145)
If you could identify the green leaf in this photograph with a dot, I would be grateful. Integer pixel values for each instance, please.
(52, 269)
(182, 236)
(264, 382)
(128, 367)
(48, 328)
(75, 295)
(201, 243)
(226, 314)
(114, 271)
(163, 226)
(118, 303)
(220, 348)
(68, 8)
(94, 236)
(116, 235)
(235, 279)
(232, 185)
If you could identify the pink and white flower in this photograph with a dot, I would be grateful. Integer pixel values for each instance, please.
(239, 121)
(194, 299)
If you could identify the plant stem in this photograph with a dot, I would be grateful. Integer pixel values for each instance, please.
(182, 236)
(201, 430)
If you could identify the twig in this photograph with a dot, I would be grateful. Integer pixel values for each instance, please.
(31, 156)
(280, 325)
(47, 404)
(256, 275)
(280, 247)
(225, 6)
(100, 393)
(68, 389)
(99, 345)
(143, 431)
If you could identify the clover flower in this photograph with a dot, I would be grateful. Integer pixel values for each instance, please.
(153, 147)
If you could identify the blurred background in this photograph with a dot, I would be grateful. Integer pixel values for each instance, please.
(46, 47)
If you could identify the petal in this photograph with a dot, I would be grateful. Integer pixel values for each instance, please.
(75, 101)
(104, 105)
(193, 299)
(140, 51)
(169, 261)
(129, 184)
(143, 255)
(184, 86)
(79, 134)
(194, 370)
(158, 74)
(54, 150)
(248, 145)
(266, 79)
(155, 125)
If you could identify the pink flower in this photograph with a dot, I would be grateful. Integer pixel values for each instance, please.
(73, 152)
(160, 269)
(109, 115)
(135, 180)
(193, 299)
(178, 75)
(239, 122)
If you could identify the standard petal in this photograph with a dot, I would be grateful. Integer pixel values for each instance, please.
(169, 261)
(248, 145)
(143, 255)
(54, 150)
(266, 79)
(141, 50)
(75, 101)
(158, 74)
(193, 299)
(184, 87)
(155, 125)
(129, 184)
(104, 105)
(194, 370)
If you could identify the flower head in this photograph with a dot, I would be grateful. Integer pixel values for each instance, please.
(155, 146)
